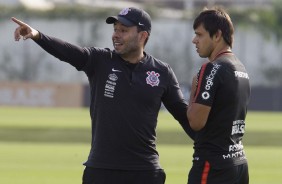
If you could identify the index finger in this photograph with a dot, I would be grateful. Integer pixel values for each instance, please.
(18, 21)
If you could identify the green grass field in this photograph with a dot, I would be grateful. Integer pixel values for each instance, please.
(42, 145)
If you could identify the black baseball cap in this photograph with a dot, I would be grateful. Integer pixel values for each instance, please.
(132, 17)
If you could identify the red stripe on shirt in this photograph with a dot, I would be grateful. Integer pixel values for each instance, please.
(200, 80)
(205, 173)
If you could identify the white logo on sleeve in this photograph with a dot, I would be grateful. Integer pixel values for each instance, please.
(210, 77)
(205, 95)
(209, 81)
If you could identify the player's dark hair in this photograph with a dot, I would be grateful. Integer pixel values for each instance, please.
(214, 20)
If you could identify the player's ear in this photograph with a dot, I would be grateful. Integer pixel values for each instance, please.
(218, 34)
(144, 35)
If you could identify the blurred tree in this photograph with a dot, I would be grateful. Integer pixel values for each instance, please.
(267, 20)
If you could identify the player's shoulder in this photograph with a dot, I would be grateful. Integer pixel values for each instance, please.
(102, 54)
(155, 62)
(230, 62)
(95, 50)
(211, 67)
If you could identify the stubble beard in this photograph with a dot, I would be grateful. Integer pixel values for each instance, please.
(130, 48)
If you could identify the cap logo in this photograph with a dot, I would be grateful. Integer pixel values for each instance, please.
(124, 11)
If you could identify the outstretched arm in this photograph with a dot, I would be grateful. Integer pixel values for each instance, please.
(72, 54)
(25, 31)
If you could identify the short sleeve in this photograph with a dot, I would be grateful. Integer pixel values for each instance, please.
(207, 84)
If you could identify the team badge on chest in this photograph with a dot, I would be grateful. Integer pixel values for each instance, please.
(153, 78)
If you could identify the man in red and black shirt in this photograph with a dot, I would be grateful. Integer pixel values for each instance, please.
(218, 104)
(127, 87)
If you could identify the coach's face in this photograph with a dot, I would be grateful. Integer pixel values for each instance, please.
(203, 42)
(127, 40)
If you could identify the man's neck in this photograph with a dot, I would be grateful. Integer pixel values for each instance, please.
(133, 58)
(219, 51)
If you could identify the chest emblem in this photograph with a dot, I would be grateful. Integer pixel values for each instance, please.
(153, 78)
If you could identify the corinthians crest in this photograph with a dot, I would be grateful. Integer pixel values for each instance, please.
(124, 11)
(153, 78)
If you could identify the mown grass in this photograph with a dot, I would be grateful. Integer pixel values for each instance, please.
(42, 145)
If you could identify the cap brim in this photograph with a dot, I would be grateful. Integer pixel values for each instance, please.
(124, 21)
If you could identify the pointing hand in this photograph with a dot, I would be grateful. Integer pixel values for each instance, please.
(24, 30)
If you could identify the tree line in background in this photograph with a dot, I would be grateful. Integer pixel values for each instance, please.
(268, 22)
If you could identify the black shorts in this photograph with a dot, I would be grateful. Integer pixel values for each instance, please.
(108, 176)
(205, 174)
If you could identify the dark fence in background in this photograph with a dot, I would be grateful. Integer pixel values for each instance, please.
(266, 99)
(78, 95)
(41, 94)
(262, 98)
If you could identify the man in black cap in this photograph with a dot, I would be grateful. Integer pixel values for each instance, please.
(127, 88)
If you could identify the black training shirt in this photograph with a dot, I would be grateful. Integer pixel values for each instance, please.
(125, 101)
(224, 86)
